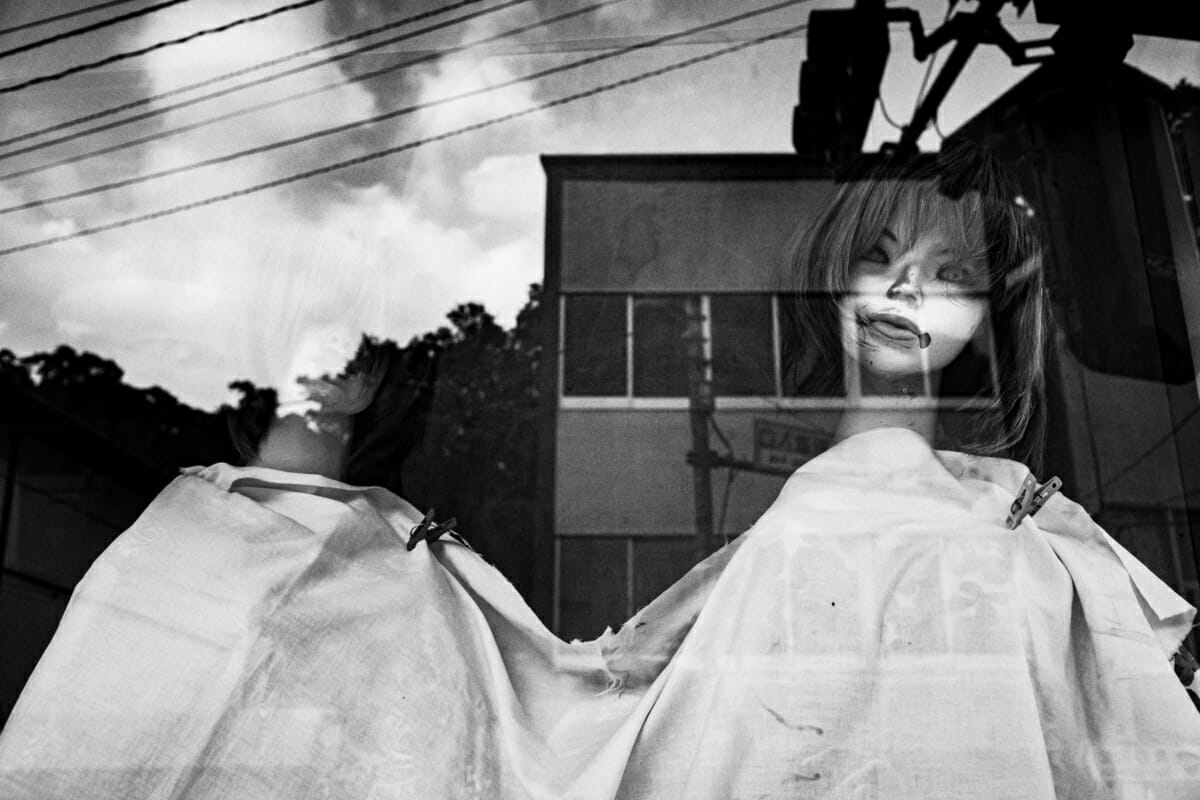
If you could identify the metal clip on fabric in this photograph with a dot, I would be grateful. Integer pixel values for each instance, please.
(1030, 499)
(430, 531)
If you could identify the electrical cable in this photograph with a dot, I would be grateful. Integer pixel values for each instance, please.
(587, 61)
(432, 55)
(297, 139)
(168, 132)
(731, 472)
(95, 26)
(932, 61)
(128, 54)
(929, 71)
(256, 82)
(1150, 450)
(37, 23)
(215, 79)
(721, 435)
(882, 111)
(412, 145)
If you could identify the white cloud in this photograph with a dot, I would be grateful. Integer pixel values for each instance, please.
(195, 300)
(427, 267)
(507, 188)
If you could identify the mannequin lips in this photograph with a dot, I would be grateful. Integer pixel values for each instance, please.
(896, 322)
(894, 328)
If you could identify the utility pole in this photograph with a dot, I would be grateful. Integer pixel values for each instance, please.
(700, 414)
(700, 408)
(967, 31)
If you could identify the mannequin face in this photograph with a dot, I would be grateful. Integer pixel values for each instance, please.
(912, 306)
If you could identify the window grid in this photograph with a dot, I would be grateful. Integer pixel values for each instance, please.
(637, 565)
(776, 344)
(777, 401)
(629, 346)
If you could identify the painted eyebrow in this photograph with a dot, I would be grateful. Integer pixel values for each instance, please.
(888, 233)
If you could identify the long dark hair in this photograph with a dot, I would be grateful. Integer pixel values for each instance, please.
(964, 193)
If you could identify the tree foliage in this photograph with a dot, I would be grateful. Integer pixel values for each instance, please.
(452, 426)
(88, 390)
(479, 456)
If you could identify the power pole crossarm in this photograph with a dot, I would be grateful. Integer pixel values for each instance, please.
(969, 32)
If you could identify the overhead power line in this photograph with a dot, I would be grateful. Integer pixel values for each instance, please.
(882, 110)
(363, 159)
(343, 128)
(128, 54)
(928, 72)
(37, 23)
(161, 110)
(95, 26)
(431, 55)
(145, 101)
(542, 47)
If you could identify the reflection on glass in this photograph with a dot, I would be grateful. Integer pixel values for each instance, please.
(594, 349)
(659, 346)
(926, 284)
(743, 360)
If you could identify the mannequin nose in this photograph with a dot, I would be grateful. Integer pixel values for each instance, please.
(907, 286)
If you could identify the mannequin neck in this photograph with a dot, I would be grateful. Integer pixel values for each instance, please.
(907, 405)
(314, 444)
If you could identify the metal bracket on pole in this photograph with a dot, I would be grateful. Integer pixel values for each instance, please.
(968, 31)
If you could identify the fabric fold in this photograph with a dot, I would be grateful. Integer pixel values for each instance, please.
(878, 633)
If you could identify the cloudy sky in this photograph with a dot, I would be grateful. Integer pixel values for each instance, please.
(245, 287)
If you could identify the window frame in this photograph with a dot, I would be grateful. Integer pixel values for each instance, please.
(763, 403)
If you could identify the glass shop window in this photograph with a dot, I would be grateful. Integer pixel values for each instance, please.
(594, 345)
(659, 347)
(743, 344)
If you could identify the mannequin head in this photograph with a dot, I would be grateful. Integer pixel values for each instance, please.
(917, 296)
(915, 274)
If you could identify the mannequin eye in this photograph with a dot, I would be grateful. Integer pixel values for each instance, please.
(955, 273)
(877, 255)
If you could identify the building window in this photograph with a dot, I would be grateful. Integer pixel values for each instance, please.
(659, 347)
(593, 585)
(635, 346)
(743, 345)
(594, 345)
(602, 581)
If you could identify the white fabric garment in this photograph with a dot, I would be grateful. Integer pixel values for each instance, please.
(877, 634)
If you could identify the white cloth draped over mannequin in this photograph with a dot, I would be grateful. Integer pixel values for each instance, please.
(878, 633)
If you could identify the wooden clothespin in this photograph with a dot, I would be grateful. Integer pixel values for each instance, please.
(1030, 499)
(430, 531)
